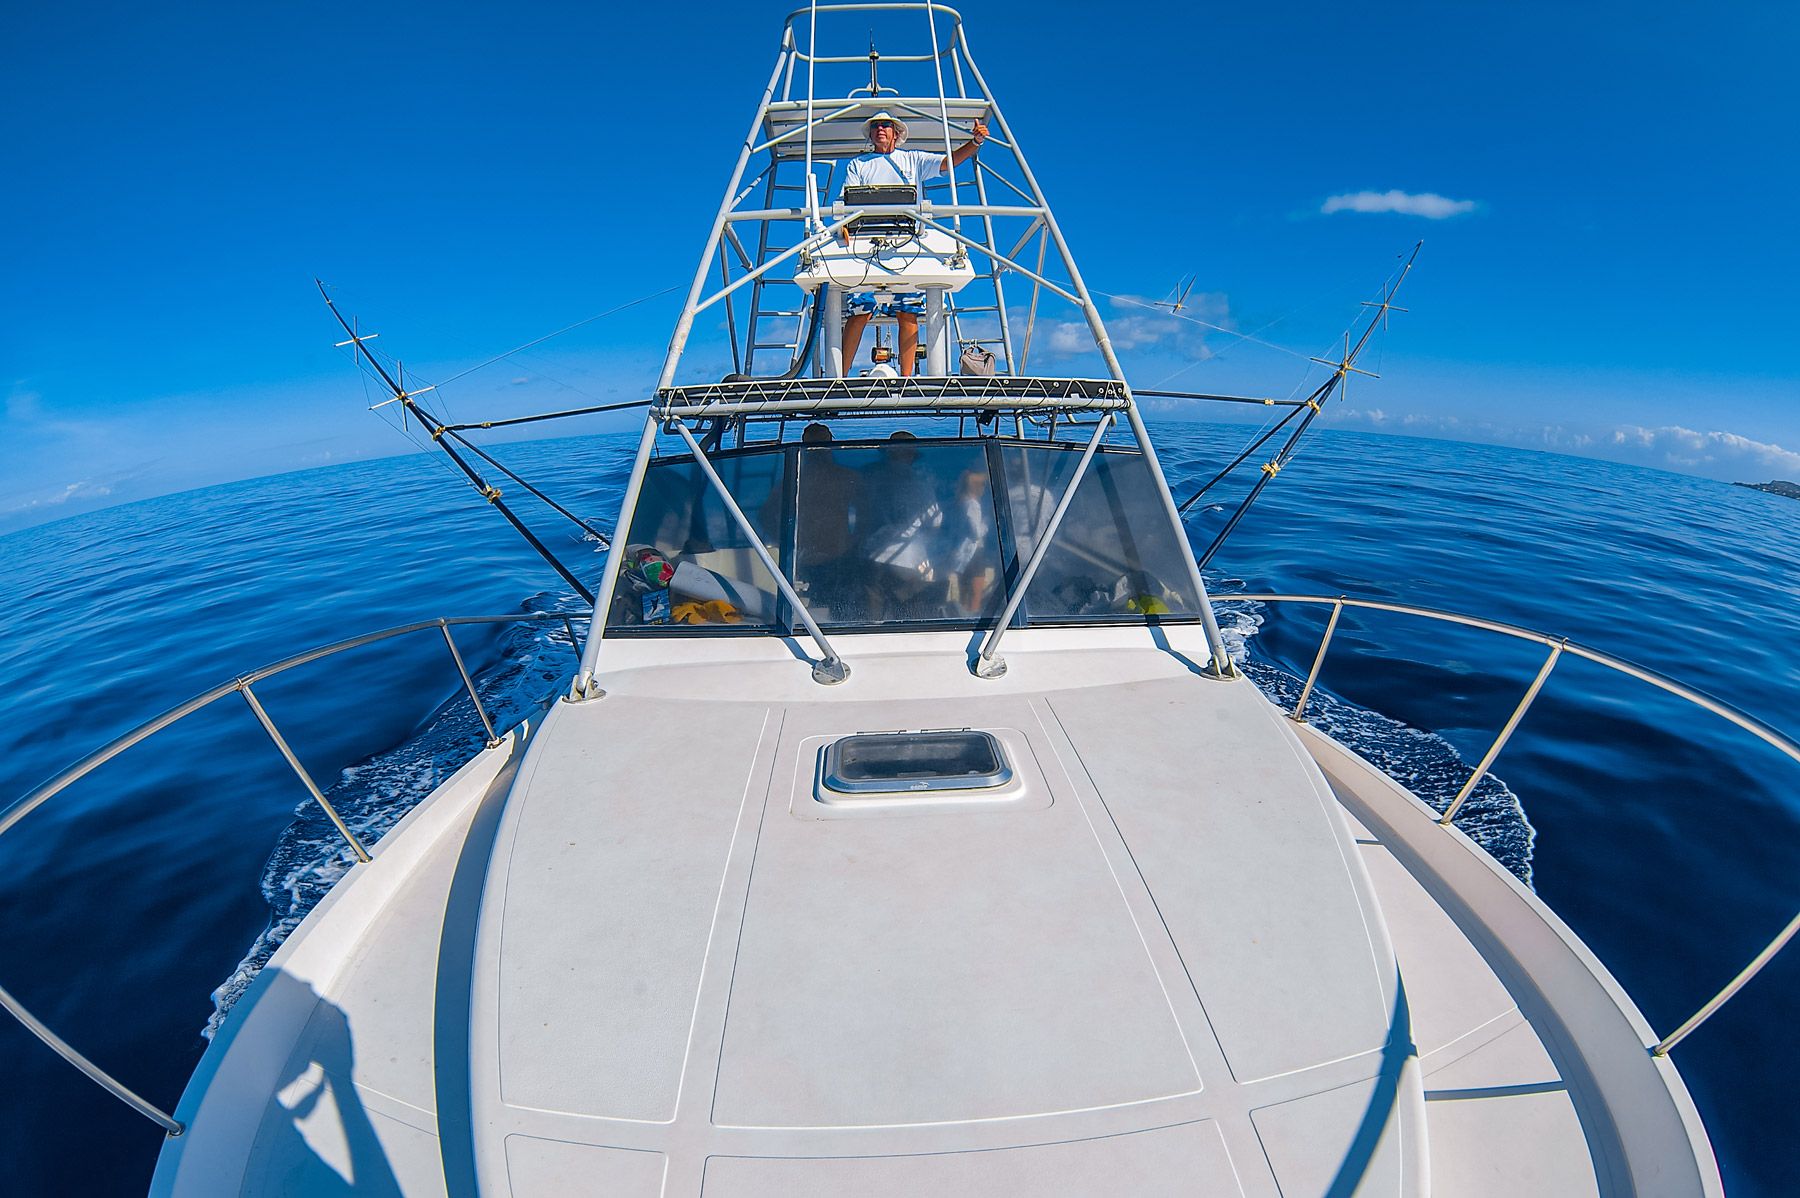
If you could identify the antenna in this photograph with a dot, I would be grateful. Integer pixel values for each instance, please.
(874, 67)
(1180, 291)
(1342, 368)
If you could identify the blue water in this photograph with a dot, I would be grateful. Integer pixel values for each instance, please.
(136, 902)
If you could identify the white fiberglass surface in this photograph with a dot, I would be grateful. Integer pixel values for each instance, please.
(690, 959)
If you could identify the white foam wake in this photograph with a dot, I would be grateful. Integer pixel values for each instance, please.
(373, 795)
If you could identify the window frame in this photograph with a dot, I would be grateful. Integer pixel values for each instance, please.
(785, 621)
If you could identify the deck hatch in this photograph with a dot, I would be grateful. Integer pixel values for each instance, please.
(887, 762)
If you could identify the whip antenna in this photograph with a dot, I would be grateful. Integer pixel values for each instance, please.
(1308, 410)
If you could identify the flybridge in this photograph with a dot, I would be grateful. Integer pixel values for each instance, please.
(801, 532)
(910, 213)
(984, 255)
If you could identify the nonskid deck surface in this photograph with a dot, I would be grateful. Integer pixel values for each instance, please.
(665, 968)
(1159, 971)
(684, 954)
(1499, 1116)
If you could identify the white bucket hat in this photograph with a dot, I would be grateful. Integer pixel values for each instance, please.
(884, 115)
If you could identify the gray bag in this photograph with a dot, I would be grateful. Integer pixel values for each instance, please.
(977, 362)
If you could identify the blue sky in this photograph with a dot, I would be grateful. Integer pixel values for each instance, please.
(1605, 193)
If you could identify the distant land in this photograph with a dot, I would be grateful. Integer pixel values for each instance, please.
(1778, 487)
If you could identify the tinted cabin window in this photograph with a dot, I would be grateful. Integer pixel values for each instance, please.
(687, 561)
(897, 533)
(902, 532)
(1116, 554)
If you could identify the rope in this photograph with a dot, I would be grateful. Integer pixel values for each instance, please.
(605, 541)
(538, 369)
(1126, 299)
(1237, 461)
(547, 336)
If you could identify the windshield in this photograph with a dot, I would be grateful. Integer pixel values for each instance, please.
(1116, 554)
(687, 562)
(900, 532)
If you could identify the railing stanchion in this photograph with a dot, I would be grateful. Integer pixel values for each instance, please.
(10, 816)
(1299, 712)
(1537, 684)
(1737, 983)
(356, 846)
(987, 663)
(574, 641)
(468, 683)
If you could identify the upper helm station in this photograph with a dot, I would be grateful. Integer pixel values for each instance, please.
(797, 489)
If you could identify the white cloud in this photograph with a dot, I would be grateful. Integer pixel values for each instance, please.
(56, 498)
(1064, 338)
(1731, 457)
(1714, 453)
(1138, 323)
(1427, 204)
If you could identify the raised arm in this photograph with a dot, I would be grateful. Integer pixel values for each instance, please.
(967, 150)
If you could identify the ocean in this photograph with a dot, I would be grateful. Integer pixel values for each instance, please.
(138, 903)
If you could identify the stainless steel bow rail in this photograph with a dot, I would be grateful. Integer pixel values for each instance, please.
(242, 686)
(1557, 646)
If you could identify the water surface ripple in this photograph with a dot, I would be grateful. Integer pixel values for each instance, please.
(1668, 840)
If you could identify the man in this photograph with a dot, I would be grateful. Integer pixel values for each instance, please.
(827, 570)
(889, 164)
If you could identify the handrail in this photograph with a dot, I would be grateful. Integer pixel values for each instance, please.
(240, 685)
(1558, 646)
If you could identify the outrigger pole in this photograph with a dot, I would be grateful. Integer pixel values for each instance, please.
(438, 429)
(1312, 405)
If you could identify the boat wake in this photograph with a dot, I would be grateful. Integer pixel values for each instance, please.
(530, 663)
(1423, 762)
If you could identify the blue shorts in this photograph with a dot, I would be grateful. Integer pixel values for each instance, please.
(885, 303)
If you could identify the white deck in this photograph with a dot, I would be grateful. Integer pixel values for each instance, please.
(696, 965)
(1154, 973)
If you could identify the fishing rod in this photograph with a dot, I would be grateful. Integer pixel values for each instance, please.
(1312, 406)
(490, 459)
(437, 429)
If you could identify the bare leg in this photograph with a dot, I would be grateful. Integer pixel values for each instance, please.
(909, 340)
(853, 331)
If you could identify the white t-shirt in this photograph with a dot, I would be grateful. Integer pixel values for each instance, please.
(913, 167)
